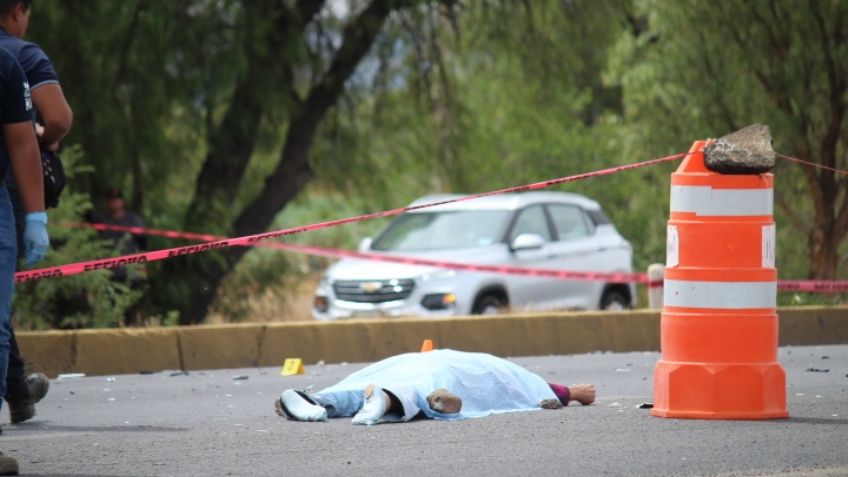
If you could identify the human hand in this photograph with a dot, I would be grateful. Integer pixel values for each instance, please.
(36, 241)
(584, 393)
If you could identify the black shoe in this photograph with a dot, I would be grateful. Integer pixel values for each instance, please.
(22, 402)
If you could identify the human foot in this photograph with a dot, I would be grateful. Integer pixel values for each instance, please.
(375, 407)
(444, 401)
(22, 399)
(297, 406)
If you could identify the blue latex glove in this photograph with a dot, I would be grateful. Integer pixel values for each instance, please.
(36, 241)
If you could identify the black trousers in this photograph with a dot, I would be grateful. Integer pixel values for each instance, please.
(16, 374)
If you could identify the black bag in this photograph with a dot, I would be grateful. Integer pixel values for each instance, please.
(54, 177)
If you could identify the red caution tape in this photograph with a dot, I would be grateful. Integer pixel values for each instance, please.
(813, 164)
(816, 286)
(249, 240)
(216, 242)
(813, 286)
(619, 277)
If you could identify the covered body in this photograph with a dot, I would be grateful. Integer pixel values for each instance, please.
(485, 383)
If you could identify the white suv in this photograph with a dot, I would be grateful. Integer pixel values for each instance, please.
(552, 230)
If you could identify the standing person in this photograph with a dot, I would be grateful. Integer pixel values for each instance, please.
(124, 243)
(23, 392)
(18, 152)
(118, 214)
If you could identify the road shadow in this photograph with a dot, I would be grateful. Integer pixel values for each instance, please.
(83, 475)
(832, 421)
(65, 428)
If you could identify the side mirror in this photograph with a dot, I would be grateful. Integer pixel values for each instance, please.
(365, 244)
(527, 242)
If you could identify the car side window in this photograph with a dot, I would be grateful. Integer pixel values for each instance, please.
(531, 220)
(570, 222)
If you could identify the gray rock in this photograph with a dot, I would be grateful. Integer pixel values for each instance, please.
(746, 151)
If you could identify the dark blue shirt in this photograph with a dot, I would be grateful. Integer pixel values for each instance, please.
(39, 71)
(37, 67)
(15, 100)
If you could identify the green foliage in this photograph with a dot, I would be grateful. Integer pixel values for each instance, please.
(693, 70)
(265, 270)
(474, 98)
(87, 300)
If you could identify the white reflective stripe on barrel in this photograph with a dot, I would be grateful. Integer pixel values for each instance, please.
(720, 295)
(706, 201)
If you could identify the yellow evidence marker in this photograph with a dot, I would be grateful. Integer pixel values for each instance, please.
(292, 366)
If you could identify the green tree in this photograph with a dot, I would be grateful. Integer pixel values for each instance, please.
(692, 69)
(88, 300)
(286, 55)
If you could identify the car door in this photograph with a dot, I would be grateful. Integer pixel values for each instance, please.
(530, 292)
(575, 248)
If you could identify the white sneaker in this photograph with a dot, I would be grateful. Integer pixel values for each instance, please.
(297, 406)
(374, 408)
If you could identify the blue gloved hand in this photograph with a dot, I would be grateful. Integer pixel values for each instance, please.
(36, 241)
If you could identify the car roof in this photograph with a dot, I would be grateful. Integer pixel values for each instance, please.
(511, 201)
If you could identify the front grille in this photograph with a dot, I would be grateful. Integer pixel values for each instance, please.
(373, 291)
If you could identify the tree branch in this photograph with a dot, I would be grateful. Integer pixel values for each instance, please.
(718, 97)
(422, 80)
(293, 171)
(232, 142)
(122, 71)
(792, 214)
(779, 46)
(836, 84)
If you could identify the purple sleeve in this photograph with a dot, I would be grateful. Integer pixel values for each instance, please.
(562, 393)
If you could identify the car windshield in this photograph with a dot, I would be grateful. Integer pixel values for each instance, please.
(425, 231)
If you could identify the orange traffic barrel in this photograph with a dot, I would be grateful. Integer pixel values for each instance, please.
(719, 323)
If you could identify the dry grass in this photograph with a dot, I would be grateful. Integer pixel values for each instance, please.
(292, 303)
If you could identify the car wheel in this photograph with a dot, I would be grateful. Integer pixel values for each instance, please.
(488, 305)
(614, 300)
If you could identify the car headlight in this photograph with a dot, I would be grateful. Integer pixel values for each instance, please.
(438, 301)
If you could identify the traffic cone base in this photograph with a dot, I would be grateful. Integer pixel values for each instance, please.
(725, 391)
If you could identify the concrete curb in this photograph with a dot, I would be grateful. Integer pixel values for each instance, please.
(127, 351)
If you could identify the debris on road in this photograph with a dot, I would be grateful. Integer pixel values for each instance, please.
(70, 376)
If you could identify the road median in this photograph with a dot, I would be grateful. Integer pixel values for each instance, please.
(140, 350)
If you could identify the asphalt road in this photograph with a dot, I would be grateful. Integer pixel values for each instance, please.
(222, 423)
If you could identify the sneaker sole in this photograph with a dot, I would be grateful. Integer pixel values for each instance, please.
(300, 407)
